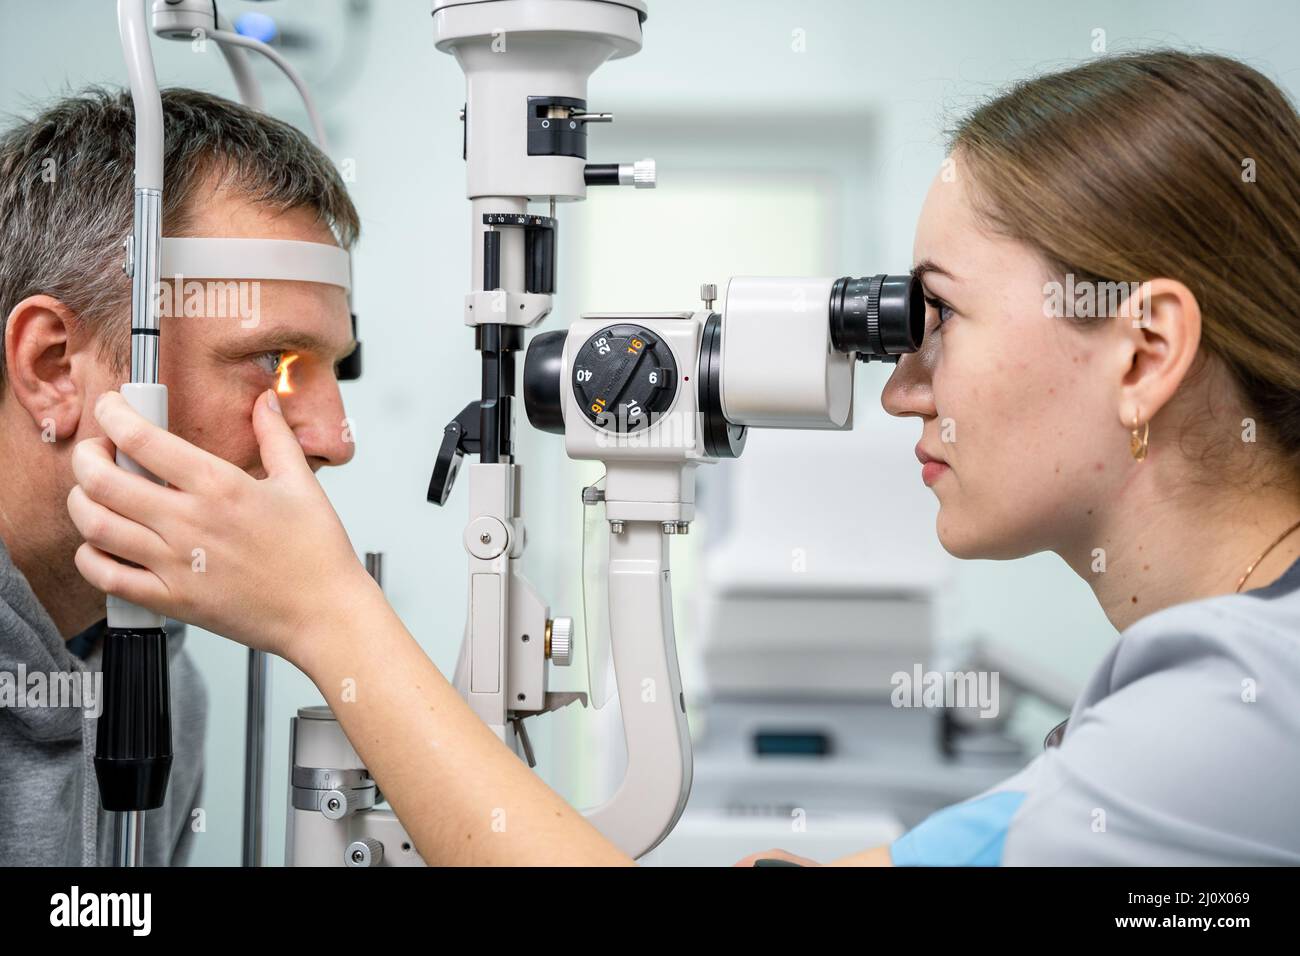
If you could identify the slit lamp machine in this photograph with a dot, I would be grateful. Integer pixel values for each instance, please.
(651, 395)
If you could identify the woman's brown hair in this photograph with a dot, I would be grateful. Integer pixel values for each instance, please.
(1162, 164)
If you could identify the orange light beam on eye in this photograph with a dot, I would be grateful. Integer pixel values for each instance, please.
(283, 387)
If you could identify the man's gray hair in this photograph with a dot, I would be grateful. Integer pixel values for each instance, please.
(66, 194)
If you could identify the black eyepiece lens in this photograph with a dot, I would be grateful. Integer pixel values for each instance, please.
(878, 317)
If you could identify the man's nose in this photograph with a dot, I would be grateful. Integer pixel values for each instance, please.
(315, 413)
(908, 390)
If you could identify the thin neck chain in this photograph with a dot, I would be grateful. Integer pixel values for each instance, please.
(1254, 564)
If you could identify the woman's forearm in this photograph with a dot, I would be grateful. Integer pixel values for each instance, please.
(463, 796)
(876, 856)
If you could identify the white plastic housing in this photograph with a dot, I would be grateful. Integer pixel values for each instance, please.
(779, 368)
(179, 19)
(645, 479)
(510, 50)
(674, 436)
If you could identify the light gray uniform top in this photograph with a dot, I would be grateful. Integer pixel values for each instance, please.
(49, 799)
(1183, 749)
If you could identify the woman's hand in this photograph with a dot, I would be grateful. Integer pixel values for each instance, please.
(276, 571)
(252, 560)
(776, 855)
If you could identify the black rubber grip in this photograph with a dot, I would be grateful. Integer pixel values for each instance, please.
(133, 745)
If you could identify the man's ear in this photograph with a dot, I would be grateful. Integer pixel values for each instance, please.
(1160, 339)
(45, 364)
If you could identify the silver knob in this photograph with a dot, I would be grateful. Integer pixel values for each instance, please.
(336, 804)
(559, 642)
(367, 852)
(708, 293)
(670, 527)
(643, 174)
(616, 527)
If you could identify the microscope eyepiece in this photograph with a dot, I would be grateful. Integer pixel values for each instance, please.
(878, 317)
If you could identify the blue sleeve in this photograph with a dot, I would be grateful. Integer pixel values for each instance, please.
(965, 834)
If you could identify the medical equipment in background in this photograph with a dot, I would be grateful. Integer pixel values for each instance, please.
(652, 395)
(800, 755)
(799, 743)
(133, 752)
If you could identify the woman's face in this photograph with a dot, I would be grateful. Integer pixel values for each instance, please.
(1021, 406)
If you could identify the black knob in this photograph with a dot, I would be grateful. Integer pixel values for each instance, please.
(543, 368)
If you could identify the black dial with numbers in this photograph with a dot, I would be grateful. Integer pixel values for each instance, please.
(624, 377)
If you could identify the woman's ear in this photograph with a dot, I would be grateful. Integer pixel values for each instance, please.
(1161, 336)
(43, 365)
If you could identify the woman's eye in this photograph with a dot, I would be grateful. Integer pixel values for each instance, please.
(269, 362)
(942, 308)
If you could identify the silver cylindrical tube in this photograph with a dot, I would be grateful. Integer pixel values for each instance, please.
(375, 566)
(255, 757)
(129, 850)
(146, 239)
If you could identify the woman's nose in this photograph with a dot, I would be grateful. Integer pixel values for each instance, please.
(908, 390)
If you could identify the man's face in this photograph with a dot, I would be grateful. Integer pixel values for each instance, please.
(268, 334)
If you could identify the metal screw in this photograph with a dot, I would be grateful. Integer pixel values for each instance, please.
(616, 527)
(708, 292)
(670, 527)
(485, 538)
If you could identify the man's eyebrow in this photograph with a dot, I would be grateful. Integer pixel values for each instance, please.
(929, 265)
(292, 340)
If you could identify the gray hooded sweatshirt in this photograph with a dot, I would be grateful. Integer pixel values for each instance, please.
(49, 800)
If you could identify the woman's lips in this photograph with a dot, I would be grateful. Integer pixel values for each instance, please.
(931, 467)
(932, 470)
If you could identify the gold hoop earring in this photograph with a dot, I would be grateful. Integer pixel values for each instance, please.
(1138, 446)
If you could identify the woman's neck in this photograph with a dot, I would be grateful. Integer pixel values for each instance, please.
(1166, 541)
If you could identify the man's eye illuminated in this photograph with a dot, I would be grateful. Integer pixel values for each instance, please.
(277, 364)
(269, 362)
(283, 387)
